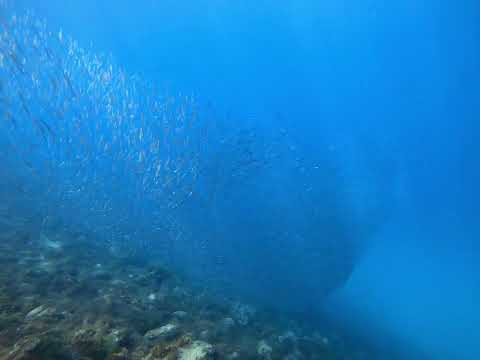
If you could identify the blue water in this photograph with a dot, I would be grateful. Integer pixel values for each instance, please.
(340, 174)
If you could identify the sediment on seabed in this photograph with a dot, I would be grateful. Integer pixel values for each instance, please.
(65, 298)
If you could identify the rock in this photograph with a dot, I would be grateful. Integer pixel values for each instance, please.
(226, 325)
(264, 350)
(198, 350)
(39, 311)
(168, 351)
(118, 338)
(50, 244)
(122, 354)
(287, 337)
(34, 347)
(205, 335)
(33, 313)
(24, 348)
(180, 314)
(242, 313)
(89, 343)
(164, 332)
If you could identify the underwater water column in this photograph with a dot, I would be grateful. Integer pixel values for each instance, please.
(101, 151)
(80, 131)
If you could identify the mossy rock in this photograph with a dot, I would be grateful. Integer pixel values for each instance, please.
(121, 354)
(87, 343)
(170, 350)
(48, 347)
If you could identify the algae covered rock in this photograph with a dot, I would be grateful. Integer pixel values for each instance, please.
(122, 354)
(44, 347)
(168, 351)
(94, 342)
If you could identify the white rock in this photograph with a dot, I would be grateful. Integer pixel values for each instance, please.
(264, 350)
(198, 350)
(55, 245)
(38, 312)
(165, 331)
(33, 313)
